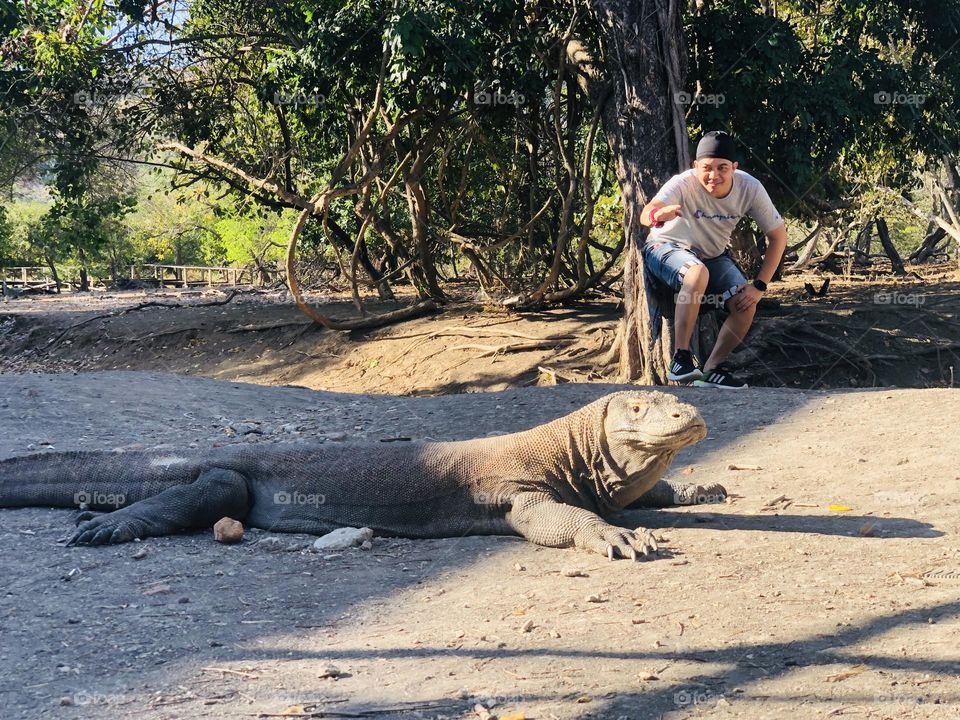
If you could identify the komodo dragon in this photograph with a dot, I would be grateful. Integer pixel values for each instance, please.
(549, 484)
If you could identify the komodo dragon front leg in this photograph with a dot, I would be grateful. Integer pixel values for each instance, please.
(667, 493)
(543, 520)
(216, 493)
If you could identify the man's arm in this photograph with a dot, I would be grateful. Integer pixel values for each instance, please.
(776, 245)
(748, 296)
(664, 213)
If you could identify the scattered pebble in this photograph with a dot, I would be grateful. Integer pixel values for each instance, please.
(330, 671)
(228, 531)
(271, 543)
(342, 538)
(527, 626)
(595, 599)
(573, 573)
(140, 554)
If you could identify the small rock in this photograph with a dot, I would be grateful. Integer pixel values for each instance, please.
(342, 538)
(228, 531)
(527, 626)
(290, 428)
(869, 530)
(140, 554)
(366, 545)
(66, 701)
(518, 567)
(649, 676)
(595, 599)
(271, 543)
(337, 436)
(330, 671)
(573, 573)
(482, 713)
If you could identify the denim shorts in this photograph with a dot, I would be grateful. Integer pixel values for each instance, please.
(669, 263)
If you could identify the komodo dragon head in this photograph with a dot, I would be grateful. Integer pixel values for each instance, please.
(642, 432)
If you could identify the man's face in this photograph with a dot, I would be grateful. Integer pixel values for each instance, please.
(715, 175)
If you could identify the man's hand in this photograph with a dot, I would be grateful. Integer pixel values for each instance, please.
(667, 213)
(746, 297)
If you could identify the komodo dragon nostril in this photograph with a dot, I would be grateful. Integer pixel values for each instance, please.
(675, 415)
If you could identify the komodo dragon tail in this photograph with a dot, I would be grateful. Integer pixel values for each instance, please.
(94, 480)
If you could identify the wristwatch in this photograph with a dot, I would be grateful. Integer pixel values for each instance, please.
(760, 285)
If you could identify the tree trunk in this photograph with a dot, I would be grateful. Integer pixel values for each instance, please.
(84, 279)
(745, 250)
(888, 247)
(647, 135)
(53, 271)
(929, 247)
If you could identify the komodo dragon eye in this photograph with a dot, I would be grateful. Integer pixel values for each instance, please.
(636, 408)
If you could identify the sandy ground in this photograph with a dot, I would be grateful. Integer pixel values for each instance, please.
(774, 605)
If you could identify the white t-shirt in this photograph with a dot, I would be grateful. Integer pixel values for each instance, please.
(706, 222)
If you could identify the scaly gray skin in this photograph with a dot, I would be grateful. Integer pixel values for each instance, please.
(550, 484)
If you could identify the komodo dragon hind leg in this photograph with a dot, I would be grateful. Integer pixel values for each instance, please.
(214, 494)
(667, 494)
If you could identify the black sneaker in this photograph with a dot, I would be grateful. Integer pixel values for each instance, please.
(682, 368)
(720, 377)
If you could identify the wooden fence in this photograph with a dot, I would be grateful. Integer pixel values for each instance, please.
(159, 275)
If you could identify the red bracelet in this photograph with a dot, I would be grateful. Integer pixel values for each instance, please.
(653, 218)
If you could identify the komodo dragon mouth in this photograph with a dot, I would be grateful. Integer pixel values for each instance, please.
(678, 438)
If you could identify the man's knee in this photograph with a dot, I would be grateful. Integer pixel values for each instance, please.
(695, 276)
(745, 316)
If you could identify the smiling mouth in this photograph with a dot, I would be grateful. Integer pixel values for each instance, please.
(688, 430)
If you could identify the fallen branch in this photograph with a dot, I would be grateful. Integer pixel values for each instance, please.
(489, 350)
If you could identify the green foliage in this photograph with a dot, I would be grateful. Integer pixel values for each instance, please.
(828, 97)
(825, 97)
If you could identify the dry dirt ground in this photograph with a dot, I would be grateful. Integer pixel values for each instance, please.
(860, 334)
(828, 587)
